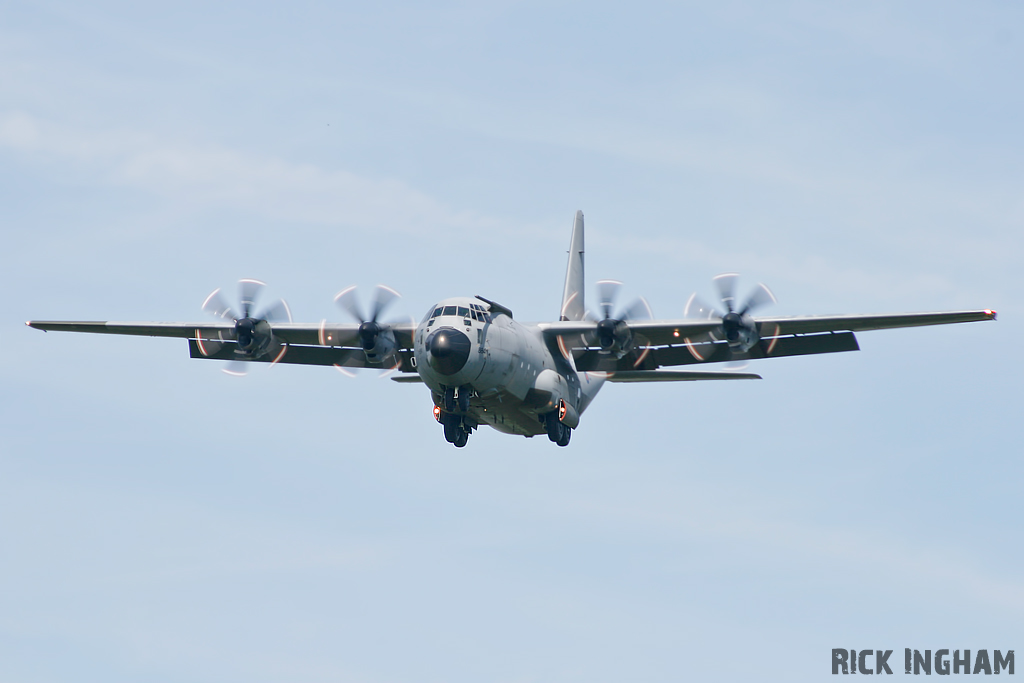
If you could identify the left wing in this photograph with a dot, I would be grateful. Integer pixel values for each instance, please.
(862, 323)
(663, 343)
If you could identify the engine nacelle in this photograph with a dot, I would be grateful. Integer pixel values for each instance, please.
(740, 331)
(554, 385)
(254, 337)
(378, 342)
(614, 337)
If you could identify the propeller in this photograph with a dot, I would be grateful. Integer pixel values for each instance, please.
(376, 338)
(252, 333)
(613, 334)
(737, 328)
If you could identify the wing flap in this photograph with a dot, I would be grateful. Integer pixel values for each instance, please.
(305, 355)
(653, 358)
(657, 332)
(676, 376)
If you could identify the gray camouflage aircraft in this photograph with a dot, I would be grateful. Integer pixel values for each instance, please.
(485, 368)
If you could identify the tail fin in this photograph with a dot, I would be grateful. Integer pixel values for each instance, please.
(572, 297)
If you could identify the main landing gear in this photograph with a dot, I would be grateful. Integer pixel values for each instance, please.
(557, 430)
(456, 399)
(455, 430)
(454, 404)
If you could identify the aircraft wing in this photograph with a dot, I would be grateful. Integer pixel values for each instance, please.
(307, 343)
(664, 343)
(183, 330)
(861, 323)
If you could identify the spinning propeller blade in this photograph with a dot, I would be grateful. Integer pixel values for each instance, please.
(252, 337)
(736, 328)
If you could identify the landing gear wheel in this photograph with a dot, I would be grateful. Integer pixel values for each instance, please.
(566, 435)
(464, 399)
(452, 427)
(554, 426)
(455, 430)
(449, 400)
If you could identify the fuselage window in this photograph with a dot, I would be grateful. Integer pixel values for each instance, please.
(449, 310)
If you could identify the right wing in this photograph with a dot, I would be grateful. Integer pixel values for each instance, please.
(306, 343)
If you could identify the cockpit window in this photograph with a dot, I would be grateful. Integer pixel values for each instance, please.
(449, 310)
(437, 312)
(463, 312)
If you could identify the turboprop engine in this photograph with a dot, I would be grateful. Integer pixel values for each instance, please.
(737, 328)
(378, 341)
(252, 333)
(376, 338)
(613, 334)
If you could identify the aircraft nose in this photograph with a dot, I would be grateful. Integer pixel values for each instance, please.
(448, 350)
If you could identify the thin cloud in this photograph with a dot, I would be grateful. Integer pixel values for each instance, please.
(215, 175)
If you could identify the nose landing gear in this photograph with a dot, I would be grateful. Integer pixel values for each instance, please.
(455, 404)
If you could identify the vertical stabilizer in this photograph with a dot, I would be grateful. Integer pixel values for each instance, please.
(572, 296)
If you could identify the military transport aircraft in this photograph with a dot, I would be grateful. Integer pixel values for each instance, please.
(485, 368)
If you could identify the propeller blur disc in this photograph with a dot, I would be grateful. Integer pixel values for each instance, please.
(248, 292)
(235, 368)
(216, 306)
(607, 292)
(761, 296)
(726, 284)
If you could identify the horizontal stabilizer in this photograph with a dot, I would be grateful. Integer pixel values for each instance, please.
(675, 376)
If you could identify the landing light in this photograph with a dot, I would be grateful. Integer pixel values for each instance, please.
(437, 413)
(675, 333)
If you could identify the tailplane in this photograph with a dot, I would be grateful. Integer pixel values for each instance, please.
(572, 296)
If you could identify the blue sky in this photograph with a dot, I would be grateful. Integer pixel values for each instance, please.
(162, 521)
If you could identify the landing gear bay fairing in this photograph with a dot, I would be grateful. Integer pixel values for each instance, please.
(485, 368)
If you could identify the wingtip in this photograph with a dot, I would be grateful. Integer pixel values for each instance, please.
(991, 314)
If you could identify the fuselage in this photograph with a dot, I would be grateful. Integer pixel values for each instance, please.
(512, 375)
